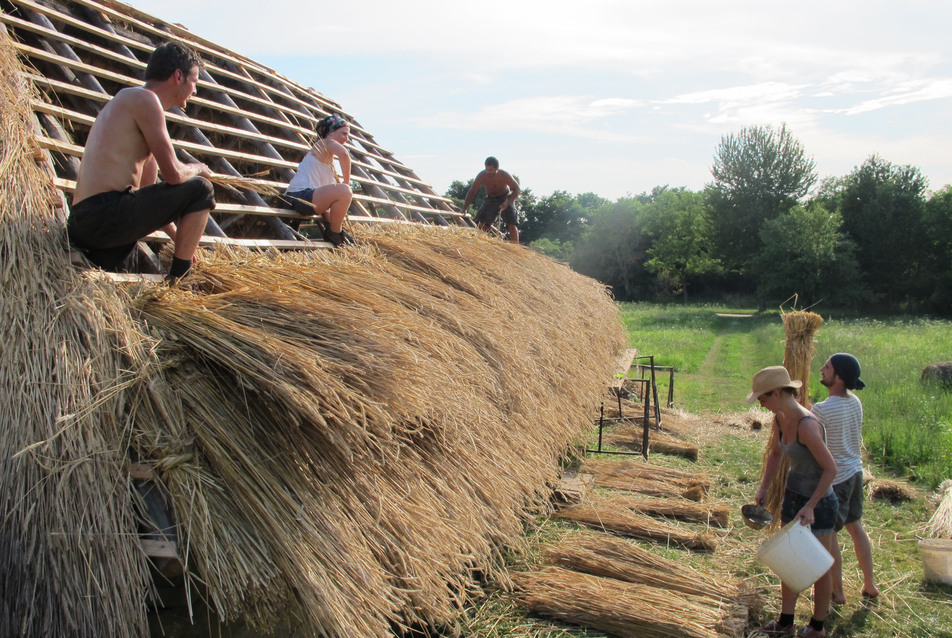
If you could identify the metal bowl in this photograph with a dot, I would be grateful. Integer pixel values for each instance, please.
(755, 516)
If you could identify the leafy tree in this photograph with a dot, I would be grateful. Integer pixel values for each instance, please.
(680, 229)
(759, 173)
(805, 253)
(937, 262)
(560, 216)
(882, 207)
(613, 250)
(552, 248)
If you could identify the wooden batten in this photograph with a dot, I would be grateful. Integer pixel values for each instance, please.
(245, 120)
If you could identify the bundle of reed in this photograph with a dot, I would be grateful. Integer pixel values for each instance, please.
(611, 515)
(677, 508)
(235, 182)
(940, 524)
(646, 478)
(799, 329)
(616, 607)
(631, 438)
(885, 489)
(617, 558)
(70, 562)
(361, 433)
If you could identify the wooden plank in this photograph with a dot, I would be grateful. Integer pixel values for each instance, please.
(158, 549)
(276, 244)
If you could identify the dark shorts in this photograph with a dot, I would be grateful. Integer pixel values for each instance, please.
(107, 226)
(824, 512)
(850, 496)
(292, 200)
(489, 212)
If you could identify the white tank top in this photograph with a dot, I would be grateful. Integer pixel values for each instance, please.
(312, 173)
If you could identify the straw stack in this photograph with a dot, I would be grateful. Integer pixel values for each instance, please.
(799, 328)
(615, 607)
(345, 439)
(940, 524)
(613, 515)
(68, 555)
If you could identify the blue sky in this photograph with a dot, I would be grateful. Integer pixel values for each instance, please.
(609, 96)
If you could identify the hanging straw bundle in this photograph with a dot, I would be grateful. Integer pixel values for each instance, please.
(612, 515)
(940, 524)
(616, 607)
(799, 328)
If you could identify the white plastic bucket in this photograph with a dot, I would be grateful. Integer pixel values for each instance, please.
(795, 555)
(936, 560)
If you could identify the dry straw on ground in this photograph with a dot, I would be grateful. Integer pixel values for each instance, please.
(345, 438)
(658, 442)
(618, 608)
(647, 478)
(611, 514)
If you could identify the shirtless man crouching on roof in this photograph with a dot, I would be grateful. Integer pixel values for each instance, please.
(501, 193)
(117, 199)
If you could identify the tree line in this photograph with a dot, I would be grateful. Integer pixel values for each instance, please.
(765, 229)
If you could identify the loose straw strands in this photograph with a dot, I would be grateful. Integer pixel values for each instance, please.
(612, 515)
(236, 182)
(940, 524)
(676, 508)
(70, 563)
(615, 607)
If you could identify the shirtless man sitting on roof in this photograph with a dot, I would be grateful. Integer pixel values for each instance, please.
(117, 199)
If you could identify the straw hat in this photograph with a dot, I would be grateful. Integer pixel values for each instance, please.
(770, 379)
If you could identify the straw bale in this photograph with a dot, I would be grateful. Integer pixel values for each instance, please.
(611, 514)
(346, 440)
(617, 607)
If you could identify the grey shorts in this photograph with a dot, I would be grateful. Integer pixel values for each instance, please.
(489, 212)
(850, 495)
(824, 512)
(106, 226)
(293, 201)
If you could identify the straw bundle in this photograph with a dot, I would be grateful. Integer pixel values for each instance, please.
(940, 524)
(799, 328)
(70, 565)
(622, 560)
(885, 489)
(615, 607)
(645, 478)
(677, 508)
(660, 442)
(235, 182)
(612, 515)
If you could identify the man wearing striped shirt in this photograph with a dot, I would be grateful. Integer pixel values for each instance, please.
(841, 413)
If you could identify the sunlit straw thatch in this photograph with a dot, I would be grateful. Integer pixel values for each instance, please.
(940, 523)
(344, 438)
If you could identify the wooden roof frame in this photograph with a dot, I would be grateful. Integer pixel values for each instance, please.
(245, 120)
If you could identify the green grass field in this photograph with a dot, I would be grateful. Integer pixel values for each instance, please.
(907, 430)
(908, 427)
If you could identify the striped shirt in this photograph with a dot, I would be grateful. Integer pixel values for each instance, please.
(843, 419)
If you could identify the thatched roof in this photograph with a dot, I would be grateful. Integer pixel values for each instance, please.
(348, 441)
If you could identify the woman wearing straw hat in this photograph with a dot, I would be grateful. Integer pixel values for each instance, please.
(808, 495)
(315, 189)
